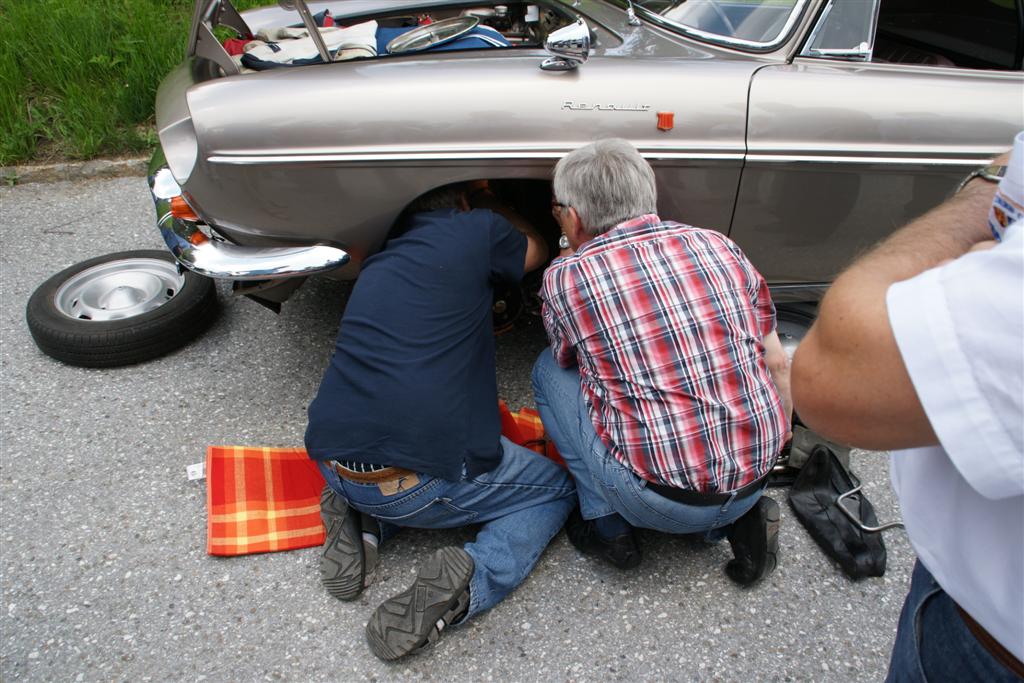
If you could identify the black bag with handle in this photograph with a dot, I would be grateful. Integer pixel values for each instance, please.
(814, 498)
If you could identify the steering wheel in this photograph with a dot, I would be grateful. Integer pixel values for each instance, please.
(722, 15)
(432, 35)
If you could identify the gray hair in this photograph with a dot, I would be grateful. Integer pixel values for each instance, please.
(606, 182)
(444, 197)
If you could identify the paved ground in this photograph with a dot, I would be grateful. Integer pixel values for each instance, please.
(104, 574)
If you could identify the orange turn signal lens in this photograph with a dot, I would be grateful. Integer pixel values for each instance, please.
(181, 209)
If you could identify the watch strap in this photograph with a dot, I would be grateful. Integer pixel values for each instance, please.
(992, 173)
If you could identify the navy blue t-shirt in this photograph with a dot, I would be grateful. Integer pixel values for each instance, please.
(412, 380)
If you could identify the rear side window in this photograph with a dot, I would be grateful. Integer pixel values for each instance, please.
(977, 34)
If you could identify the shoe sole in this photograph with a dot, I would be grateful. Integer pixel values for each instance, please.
(414, 618)
(342, 561)
(772, 521)
(734, 568)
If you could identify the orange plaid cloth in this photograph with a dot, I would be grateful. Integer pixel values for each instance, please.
(526, 429)
(260, 500)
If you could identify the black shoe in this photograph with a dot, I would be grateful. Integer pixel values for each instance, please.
(347, 561)
(754, 538)
(415, 618)
(623, 551)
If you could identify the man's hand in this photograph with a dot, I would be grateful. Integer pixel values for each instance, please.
(849, 380)
(778, 367)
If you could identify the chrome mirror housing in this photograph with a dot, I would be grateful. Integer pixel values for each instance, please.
(569, 47)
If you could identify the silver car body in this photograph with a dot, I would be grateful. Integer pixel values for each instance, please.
(803, 157)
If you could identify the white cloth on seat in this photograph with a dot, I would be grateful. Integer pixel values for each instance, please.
(347, 42)
(270, 35)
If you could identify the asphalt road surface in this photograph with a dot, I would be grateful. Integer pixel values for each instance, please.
(104, 570)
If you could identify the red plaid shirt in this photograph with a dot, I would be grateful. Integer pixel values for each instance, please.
(666, 323)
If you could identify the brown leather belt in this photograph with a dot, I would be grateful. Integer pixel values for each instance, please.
(1000, 653)
(690, 497)
(376, 477)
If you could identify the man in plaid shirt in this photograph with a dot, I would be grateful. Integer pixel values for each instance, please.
(666, 386)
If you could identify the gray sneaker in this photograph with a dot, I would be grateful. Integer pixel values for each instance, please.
(415, 618)
(349, 558)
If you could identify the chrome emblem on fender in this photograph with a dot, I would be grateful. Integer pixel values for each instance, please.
(572, 105)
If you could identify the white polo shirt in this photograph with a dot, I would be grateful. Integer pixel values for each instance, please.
(960, 330)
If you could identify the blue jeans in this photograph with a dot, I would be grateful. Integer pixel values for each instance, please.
(603, 484)
(521, 503)
(934, 644)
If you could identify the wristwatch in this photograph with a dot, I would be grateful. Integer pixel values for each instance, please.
(992, 173)
(563, 241)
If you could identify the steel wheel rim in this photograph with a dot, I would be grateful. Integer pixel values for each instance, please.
(791, 333)
(119, 289)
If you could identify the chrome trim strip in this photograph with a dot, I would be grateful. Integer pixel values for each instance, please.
(718, 39)
(266, 159)
(649, 153)
(756, 157)
(223, 260)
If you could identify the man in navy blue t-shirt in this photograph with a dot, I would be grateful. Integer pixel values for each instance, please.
(405, 426)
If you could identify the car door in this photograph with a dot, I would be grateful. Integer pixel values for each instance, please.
(886, 107)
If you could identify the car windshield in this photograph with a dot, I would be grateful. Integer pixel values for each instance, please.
(755, 24)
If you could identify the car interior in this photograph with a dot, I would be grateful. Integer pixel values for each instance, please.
(437, 29)
(981, 34)
(519, 24)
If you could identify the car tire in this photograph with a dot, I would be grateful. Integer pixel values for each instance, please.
(120, 309)
(792, 321)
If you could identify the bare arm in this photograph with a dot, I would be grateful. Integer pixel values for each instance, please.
(778, 366)
(849, 380)
(536, 247)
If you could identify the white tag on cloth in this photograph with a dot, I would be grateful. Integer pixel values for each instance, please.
(196, 471)
(1008, 204)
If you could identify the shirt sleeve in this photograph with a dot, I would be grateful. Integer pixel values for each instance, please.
(764, 307)
(561, 347)
(508, 249)
(959, 329)
(757, 287)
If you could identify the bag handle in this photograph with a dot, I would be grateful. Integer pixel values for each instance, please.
(855, 519)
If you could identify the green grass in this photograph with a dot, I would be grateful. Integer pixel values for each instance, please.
(78, 78)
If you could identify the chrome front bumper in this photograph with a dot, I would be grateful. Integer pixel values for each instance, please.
(218, 259)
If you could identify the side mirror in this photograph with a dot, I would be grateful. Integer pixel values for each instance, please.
(569, 47)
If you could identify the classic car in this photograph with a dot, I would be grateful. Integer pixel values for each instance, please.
(804, 129)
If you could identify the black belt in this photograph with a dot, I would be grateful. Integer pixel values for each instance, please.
(379, 474)
(353, 466)
(690, 497)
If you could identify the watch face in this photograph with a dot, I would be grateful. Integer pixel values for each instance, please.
(995, 173)
(563, 241)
